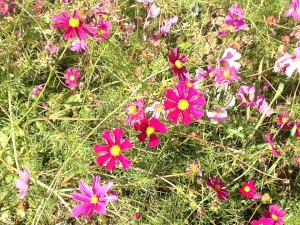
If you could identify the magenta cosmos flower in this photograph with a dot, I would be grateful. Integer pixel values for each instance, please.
(219, 114)
(23, 183)
(72, 77)
(7, 7)
(178, 67)
(219, 187)
(227, 75)
(182, 103)
(103, 30)
(272, 145)
(234, 20)
(112, 152)
(263, 221)
(93, 198)
(276, 213)
(73, 25)
(284, 121)
(298, 128)
(149, 128)
(249, 189)
(294, 10)
(135, 112)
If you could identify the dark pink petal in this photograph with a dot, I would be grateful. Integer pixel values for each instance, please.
(170, 94)
(101, 208)
(126, 163)
(170, 105)
(142, 136)
(107, 137)
(174, 115)
(90, 210)
(199, 101)
(111, 165)
(85, 189)
(80, 209)
(181, 90)
(191, 93)
(104, 189)
(126, 145)
(158, 126)
(186, 118)
(101, 148)
(69, 33)
(118, 132)
(61, 25)
(80, 198)
(102, 159)
(80, 33)
(197, 113)
(88, 29)
(96, 184)
(154, 141)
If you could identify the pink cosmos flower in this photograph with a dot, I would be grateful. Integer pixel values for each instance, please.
(52, 49)
(157, 108)
(7, 7)
(178, 67)
(234, 20)
(294, 10)
(246, 95)
(166, 28)
(23, 183)
(288, 63)
(153, 11)
(72, 77)
(145, 2)
(263, 106)
(92, 198)
(272, 145)
(297, 161)
(35, 91)
(210, 73)
(78, 46)
(135, 112)
(263, 221)
(298, 128)
(227, 76)
(73, 25)
(192, 82)
(249, 189)
(103, 30)
(229, 59)
(219, 187)
(65, 1)
(276, 213)
(105, 7)
(184, 102)
(194, 169)
(219, 114)
(149, 128)
(284, 121)
(112, 153)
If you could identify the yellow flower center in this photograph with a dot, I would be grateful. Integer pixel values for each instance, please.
(101, 32)
(296, 60)
(178, 64)
(235, 17)
(115, 150)
(133, 109)
(183, 104)
(94, 200)
(159, 108)
(211, 75)
(74, 22)
(284, 120)
(251, 96)
(227, 74)
(149, 131)
(298, 11)
(189, 84)
(274, 217)
(72, 77)
(218, 114)
(231, 28)
(217, 187)
(247, 189)
(194, 168)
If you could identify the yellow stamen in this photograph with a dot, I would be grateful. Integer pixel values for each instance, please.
(296, 60)
(178, 64)
(189, 84)
(284, 120)
(149, 131)
(94, 200)
(227, 74)
(274, 217)
(101, 32)
(115, 150)
(133, 109)
(211, 75)
(247, 189)
(159, 107)
(72, 77)
(183, 104)
(235, 17)
(217, 187)
(231, 28)
(74, 22)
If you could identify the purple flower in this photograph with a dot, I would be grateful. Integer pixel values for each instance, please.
(219, 114)
(93, 198)
(37, 90)
(78, 46)
(23, 183)
(294, 10)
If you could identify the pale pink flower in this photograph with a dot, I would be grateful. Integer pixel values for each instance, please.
(157, 108)
(219, 114)
(229, 59)
(166, 28)
(78, 46)
(135, 112)
(153, 11)
(294, 10)
(23, 183)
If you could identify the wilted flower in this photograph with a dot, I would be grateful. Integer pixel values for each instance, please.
(23, 183)
(297, 161)
(51, 48)
(37, 90)
(78, 45)
(266, 198)
(112, 152)
(93, 198)
(166, 28)
(194, 169)
(219, 187)
(135, 112)
(137, 216)
(103, 30)
(272, 145)
(7, 7)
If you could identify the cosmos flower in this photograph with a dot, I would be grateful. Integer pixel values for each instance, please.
(219, 114)
(72, 78)
(23, 183)
(248, 190)
(219, 187)
(234, 20)
(229, 59)
(227, 75)
(182, 103)
(272, 145)
(73, 25)
(157, 108)
(166, 28)
(149, 129)
(35, 91)
(52, 49)
(145, 2)
(194, 169)
(276, 213)
(103, 30)
(135, 112)
(288, 63)
(210, 73)
(178, 67)
(78, 46)
(112, 152)
(246, 95)
(263, 221)
(7, 7)
(153, 11)
(93, 198)
(284, 121)
(192, 82)
(294, 10)
(298, 128)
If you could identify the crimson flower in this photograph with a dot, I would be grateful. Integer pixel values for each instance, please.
(72, 24)
(249, 189)
(178, 68)
(219, 187)
(182, 103)
(272, 145)
(149, 128)
(284, 121)
(111, 153)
